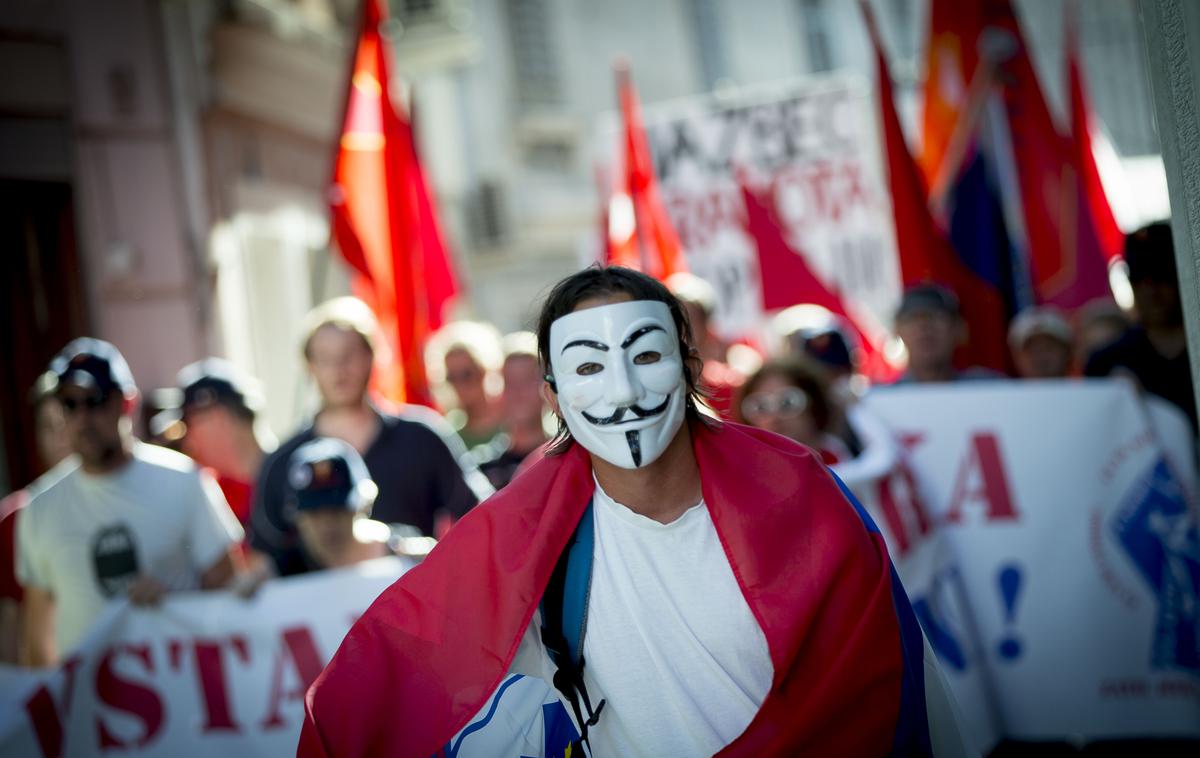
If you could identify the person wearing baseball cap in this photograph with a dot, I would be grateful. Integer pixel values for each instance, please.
(330, 494)
(117, 518)
(214, 413)
(1041, 341)
(930, 324)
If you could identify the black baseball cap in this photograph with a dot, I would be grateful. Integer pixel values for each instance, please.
(94, 365)
(214, 381)
(329, 473)
(826, 344)
(205, 384)
(927, 298)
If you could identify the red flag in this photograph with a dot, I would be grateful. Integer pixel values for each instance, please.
(384, 220)
(1066, 265)
(925, 255)
(639, 233)
(1111, 238)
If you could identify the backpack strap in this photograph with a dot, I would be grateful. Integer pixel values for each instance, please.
(564, 620)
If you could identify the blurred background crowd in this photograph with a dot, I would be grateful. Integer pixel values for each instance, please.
(323, 300)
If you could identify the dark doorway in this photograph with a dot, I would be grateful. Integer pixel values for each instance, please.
(41, 305)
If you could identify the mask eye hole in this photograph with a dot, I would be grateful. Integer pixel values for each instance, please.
(647, 357)
(587, 369)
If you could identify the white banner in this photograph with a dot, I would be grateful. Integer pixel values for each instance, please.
(1047, 535)
(204, 674)
(812, 146)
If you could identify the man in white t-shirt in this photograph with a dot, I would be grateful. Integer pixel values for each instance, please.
(689, 587)
(119, 518)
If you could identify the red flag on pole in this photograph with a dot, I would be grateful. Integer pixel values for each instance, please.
(1066, 265)
(925, 254)
(639, 233)
(1083, 135)
(384, 219)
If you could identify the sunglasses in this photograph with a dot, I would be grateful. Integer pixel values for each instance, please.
(789, 402)
(91, 403)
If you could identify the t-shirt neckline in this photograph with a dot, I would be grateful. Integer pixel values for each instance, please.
(635, 519)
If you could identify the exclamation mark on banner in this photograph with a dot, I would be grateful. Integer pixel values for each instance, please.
(1009, 580)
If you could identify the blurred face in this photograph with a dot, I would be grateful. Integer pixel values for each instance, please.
(325, 531)
(210, 434)
(465, 377)
(781, 407)
(93, 424)
(522, 398)
(930, 337)
(1043, 357)
(1158, 303)
(50, 429)
(340, 363)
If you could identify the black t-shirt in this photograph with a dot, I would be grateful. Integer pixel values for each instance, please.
(1169, 378)
(417, 476)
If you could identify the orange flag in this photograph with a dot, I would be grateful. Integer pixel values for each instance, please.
(384, 218)
(639, 233)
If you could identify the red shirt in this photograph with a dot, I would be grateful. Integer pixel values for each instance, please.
(10, 588)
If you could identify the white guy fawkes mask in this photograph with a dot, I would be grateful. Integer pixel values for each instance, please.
(619, 378)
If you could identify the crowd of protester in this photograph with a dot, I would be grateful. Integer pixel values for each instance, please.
(216, 502)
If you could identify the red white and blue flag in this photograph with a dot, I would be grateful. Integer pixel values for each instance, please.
(846, 647)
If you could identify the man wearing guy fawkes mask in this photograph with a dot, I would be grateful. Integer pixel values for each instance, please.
(731, 596)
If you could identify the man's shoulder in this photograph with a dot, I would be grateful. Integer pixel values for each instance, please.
(50, 486)
(164, 460)
(413, 429)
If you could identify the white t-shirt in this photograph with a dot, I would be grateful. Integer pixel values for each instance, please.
(84, 538)
(670, 643)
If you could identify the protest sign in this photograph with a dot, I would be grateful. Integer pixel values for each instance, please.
(204, 674)
(1049, 544)
(810, 148)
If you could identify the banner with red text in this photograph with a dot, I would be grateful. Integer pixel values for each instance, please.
(1047, 535)
(810, 148)
(205, 674)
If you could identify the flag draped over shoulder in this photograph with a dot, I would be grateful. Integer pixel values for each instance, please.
(845, 646)
(384, 218)
(925, 254)
(638, 232)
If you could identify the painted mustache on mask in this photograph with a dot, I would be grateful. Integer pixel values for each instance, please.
(619, 414)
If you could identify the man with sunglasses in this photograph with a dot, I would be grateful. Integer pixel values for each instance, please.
(119, 518)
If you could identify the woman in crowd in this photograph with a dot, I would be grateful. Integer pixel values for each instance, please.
(790, 397)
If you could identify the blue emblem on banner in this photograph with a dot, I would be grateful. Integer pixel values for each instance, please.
(1160, 536)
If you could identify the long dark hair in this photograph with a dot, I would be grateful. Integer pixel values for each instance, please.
(597, 281)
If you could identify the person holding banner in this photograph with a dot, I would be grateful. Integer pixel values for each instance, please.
(117, 519)
(689, 586)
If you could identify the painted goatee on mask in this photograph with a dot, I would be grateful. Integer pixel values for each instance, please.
(619, 378)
